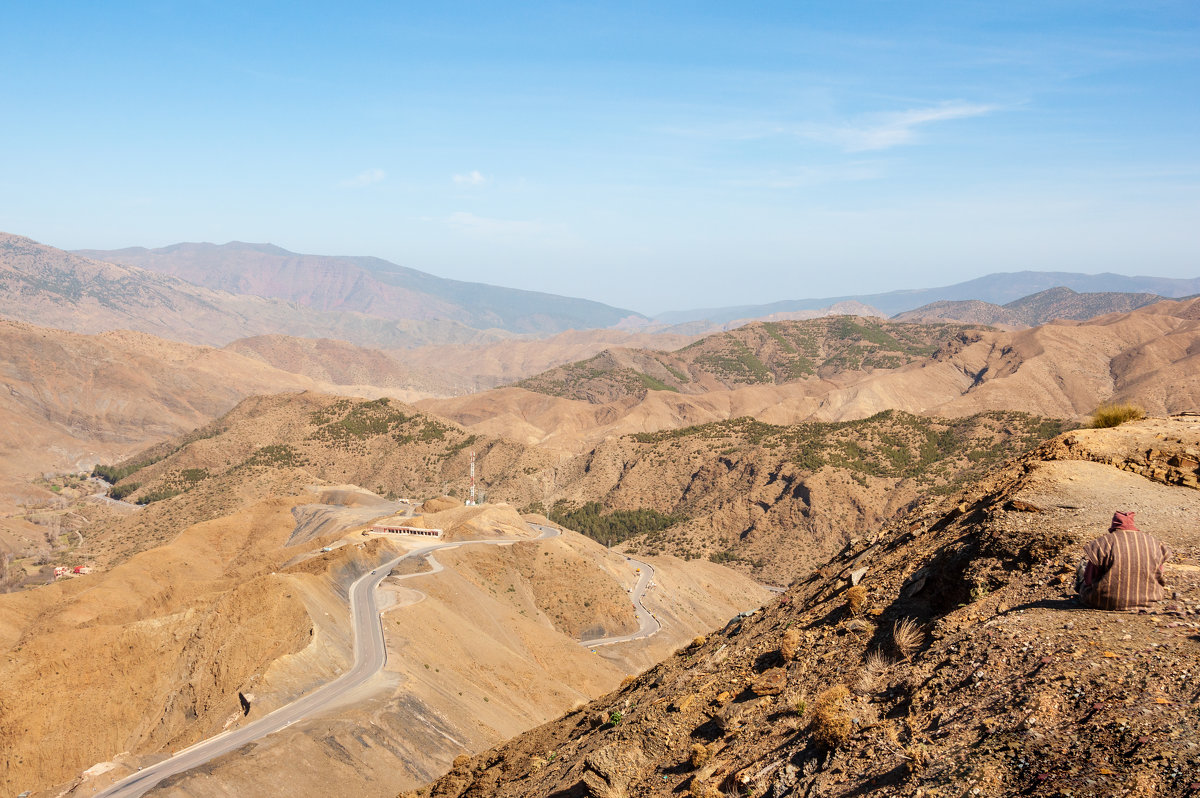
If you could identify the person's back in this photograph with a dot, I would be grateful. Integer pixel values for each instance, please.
(1123, 569)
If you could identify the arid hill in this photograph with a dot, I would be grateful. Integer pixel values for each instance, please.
(478, 367)
(43, 285)
(381, 445)
(769, 500)
(73, 400)
(774, 500)
(1032, 310)
(366, 285)
(941, 655)
(1062, 370)
(758, 353)
(332, 362)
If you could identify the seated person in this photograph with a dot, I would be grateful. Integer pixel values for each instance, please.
(1122, 570)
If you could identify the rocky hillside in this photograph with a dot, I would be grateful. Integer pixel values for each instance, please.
(1033, 310)
(773, 500)
(941, 655)
(479, 367)
(739, 492)
(774, 352)
(366, 285)
(295, 439)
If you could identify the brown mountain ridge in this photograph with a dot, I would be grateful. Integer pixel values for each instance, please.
(366, 285)
(773, 352)
(1062, 370)
(43, 285)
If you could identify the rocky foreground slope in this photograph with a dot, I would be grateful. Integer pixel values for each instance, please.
(940, 656)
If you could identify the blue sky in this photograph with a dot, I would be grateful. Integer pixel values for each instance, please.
(655, 156)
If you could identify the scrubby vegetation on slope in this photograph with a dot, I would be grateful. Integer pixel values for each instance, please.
(758, 353)
(277, 444)
(773, 499)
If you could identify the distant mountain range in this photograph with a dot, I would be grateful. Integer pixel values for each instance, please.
(1032, 310)
(996, 288)
(367, 285)
(215, 294)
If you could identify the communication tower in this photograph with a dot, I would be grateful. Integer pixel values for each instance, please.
(471, 496)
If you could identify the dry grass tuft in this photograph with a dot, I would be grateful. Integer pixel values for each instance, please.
(907, 638)
(860, 627)
(699, 756)
(789, 644)
(1108, 415)
(699, 641)
(873, 669)
(831, 724)
(856, 599)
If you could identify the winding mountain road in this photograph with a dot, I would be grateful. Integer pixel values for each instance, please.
(370, 655)
(647, 624)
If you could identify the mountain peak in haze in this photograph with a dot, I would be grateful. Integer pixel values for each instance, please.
(998, 289)
(1033, 310)
(367, 285)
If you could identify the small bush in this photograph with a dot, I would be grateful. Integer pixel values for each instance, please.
(615, 717)
(699, 756)
(1108, 415)
(831, 724)
(907, 638)
(856, 599)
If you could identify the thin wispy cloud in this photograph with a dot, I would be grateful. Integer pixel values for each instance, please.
(884, 131)
(365, 178)
(472, 178)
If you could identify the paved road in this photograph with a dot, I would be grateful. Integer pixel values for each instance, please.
(370, 655)
(647, 623)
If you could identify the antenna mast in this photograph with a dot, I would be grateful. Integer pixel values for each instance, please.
(471, 498)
